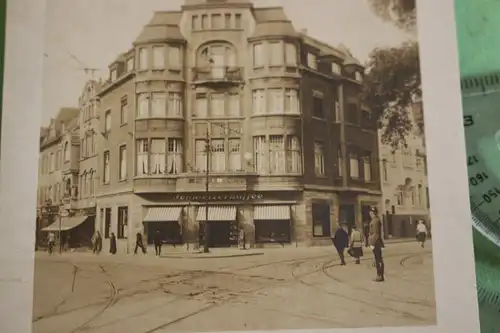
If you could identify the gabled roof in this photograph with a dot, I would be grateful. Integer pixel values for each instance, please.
(164, 26)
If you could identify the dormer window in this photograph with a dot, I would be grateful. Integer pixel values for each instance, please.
(113, 74)
(358, 76)
(336, 69)
(311, 61)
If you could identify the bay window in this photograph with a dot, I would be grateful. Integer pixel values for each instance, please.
(290, 54)
(158, 57)
(276, 54)
(174, 104)
(157, 154)
(276, 154)
(353, 165)
(174, 56)
(158, 105)
(217, 155)
(142, 157)
(234, 155)
(142, 106)
(319, 158)
(258, 55)
(259, 149)
(291, 101)
(174, 156)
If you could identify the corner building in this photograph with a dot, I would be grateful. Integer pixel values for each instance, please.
(291, 150)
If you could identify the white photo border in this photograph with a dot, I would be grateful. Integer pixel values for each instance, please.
(452, 232)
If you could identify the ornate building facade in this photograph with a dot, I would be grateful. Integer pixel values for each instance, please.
(224, 113)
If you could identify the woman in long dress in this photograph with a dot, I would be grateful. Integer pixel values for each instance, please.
(112, 244)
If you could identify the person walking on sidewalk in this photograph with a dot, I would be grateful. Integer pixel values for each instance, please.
(51, 242)
(421, 232)
(158, 242)
(97, 242)
(112, 244)
(341, 241)
(139, 244)
(356, 244)
(376, 243)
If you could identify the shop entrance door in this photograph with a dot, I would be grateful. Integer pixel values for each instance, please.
(222, 234)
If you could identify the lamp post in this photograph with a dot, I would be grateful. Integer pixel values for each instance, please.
(206, 226)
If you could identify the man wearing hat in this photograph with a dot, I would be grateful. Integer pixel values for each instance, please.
(376, 243)
(341, 241)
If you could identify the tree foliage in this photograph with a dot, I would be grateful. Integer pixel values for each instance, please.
(391, 85)
(400, 12)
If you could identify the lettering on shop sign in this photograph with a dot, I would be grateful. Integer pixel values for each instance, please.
(215, 197)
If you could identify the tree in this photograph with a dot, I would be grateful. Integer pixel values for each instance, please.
(402, 13)
(391, 85)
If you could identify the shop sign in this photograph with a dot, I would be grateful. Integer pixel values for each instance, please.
(219, 197)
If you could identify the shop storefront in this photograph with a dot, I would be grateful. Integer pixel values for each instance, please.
(167, 221)
(222, 224)
(272, 224)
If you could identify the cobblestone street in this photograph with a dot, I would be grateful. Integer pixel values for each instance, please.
(280, 289)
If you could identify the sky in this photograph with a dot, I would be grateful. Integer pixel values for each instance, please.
(91, 33)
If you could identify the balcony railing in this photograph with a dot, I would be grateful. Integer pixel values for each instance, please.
(217, 74)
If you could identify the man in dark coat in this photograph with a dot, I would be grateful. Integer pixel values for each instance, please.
(158, 242)
(139, 244)
(376, 243)
(341, 241)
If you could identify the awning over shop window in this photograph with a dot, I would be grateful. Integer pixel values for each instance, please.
(272, 212)
(163, 214)
(217, 213)
(66, 223)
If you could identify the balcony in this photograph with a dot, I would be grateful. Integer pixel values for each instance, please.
(217, 75)
(237, 181)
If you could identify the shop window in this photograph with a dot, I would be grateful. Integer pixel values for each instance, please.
(321, 220)
(272, 231)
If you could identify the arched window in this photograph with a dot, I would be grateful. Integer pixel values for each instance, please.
(66, 151)
(217, 55)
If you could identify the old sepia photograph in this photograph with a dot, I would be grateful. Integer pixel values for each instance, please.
(232, 165)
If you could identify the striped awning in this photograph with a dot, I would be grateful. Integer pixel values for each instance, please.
(66, 223)
(217, 213)
(163, 214)
(272, 212)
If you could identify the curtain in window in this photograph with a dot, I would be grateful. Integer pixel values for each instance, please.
(354, 165)
(158, 104)
(217, 105)
(123, 163)
(157, 156)
(106, 167)
(174, 104)
(319, 158)
(142, 106)
(142, 157)
(260, 149)
(174, 156)
(218, 155)
(291, 101)
(201, 155)
(276, 100)
(276, 53)
(367, 168)
(258, 101)
(277, 154)
(290, 54)
(234, 105)
(294, 156)
(201, 106)
(234, 155)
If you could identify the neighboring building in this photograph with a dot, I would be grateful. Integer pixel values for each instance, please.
(51, 185)
(404, 182)
(292, 150)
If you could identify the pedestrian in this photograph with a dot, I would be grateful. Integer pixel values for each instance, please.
(356, 244)
(51, 242)
(112, 244)
(98, 242)
(341, 241)
(376, 244)
(421, 232)
(241, 238)
(366, 232)
(158, 242)
(138, 243)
